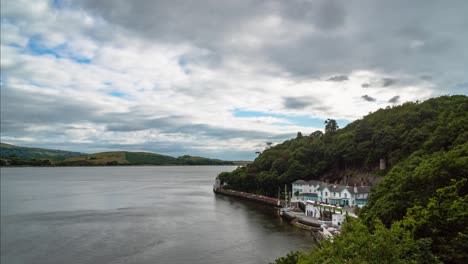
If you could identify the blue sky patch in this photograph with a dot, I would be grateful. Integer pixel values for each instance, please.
(35, 46)
(299, 120)
(58, 4)
(117, 94)
(183, 64)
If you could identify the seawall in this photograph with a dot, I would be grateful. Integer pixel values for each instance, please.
(249, 196)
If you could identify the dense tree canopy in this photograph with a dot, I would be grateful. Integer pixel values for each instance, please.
(418, 213)
(394, 134)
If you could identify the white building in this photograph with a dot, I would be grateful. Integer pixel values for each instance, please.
(338, 219)
(340, 195)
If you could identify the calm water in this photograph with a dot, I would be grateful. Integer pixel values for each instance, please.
(134, 215)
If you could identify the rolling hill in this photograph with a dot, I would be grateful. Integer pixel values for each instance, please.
(7, 150)
(15, 155)
(139, 158)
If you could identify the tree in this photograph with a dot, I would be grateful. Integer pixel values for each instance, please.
(330, 126)
(359, 243)
(299, 135)
(296, 193)
(291, 258)
(444, 220)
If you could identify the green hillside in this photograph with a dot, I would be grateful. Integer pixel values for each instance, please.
(138, 158)
(7, 150)
(352, 154)
(191, 160)
(417, 213)
(23, 156)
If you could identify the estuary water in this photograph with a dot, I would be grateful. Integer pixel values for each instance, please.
(135, 215)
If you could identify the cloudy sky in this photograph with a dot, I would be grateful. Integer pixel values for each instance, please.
(217, 78)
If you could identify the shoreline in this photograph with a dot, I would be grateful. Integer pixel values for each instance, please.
(122, 165)
(313, 227)
(275, 203)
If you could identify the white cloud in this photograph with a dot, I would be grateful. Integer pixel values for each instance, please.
(99, 81)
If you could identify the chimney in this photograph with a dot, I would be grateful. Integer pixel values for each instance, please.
(383, 164)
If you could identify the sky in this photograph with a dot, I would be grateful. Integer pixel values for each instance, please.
(217, 78)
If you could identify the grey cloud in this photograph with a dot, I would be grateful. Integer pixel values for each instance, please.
(179, 124)
(222, 133)
(389, 26)
(368, 98)
(202, 22)
(384, 82)
(338, 78)
(143, 124)
(311, 103)
(394, 99)
(324, 14)
(19, 106)
(426, 77)
(295, 103)
(388, 82)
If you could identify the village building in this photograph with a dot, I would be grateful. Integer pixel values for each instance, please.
(334, 194)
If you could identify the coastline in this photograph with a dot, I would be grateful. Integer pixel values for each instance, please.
(314, 227)
(276, 203)
(120, 165)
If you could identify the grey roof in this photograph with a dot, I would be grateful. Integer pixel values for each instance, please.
(300, 182)
(337, 188)
(314, 182)
(363, 189)
(311, 182)
(323, 186)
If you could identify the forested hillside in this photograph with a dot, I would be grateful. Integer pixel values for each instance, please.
(7, 150)
(22, 156)
(393, 134)
(418, 213)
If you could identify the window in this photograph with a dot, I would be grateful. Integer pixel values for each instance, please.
(345, 195)
(326, 193)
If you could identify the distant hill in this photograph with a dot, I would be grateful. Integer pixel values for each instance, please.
(139, 158)
(15, 155)
(7, 150)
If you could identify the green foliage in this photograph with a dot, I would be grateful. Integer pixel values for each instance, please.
(142, 158)
(190, 160)
(359, 243)
(417, 214)
(291, 258)
(414, 182)
(7, 150)
(25, 162)
(113, 158)
(444, 220)
(395, 133)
